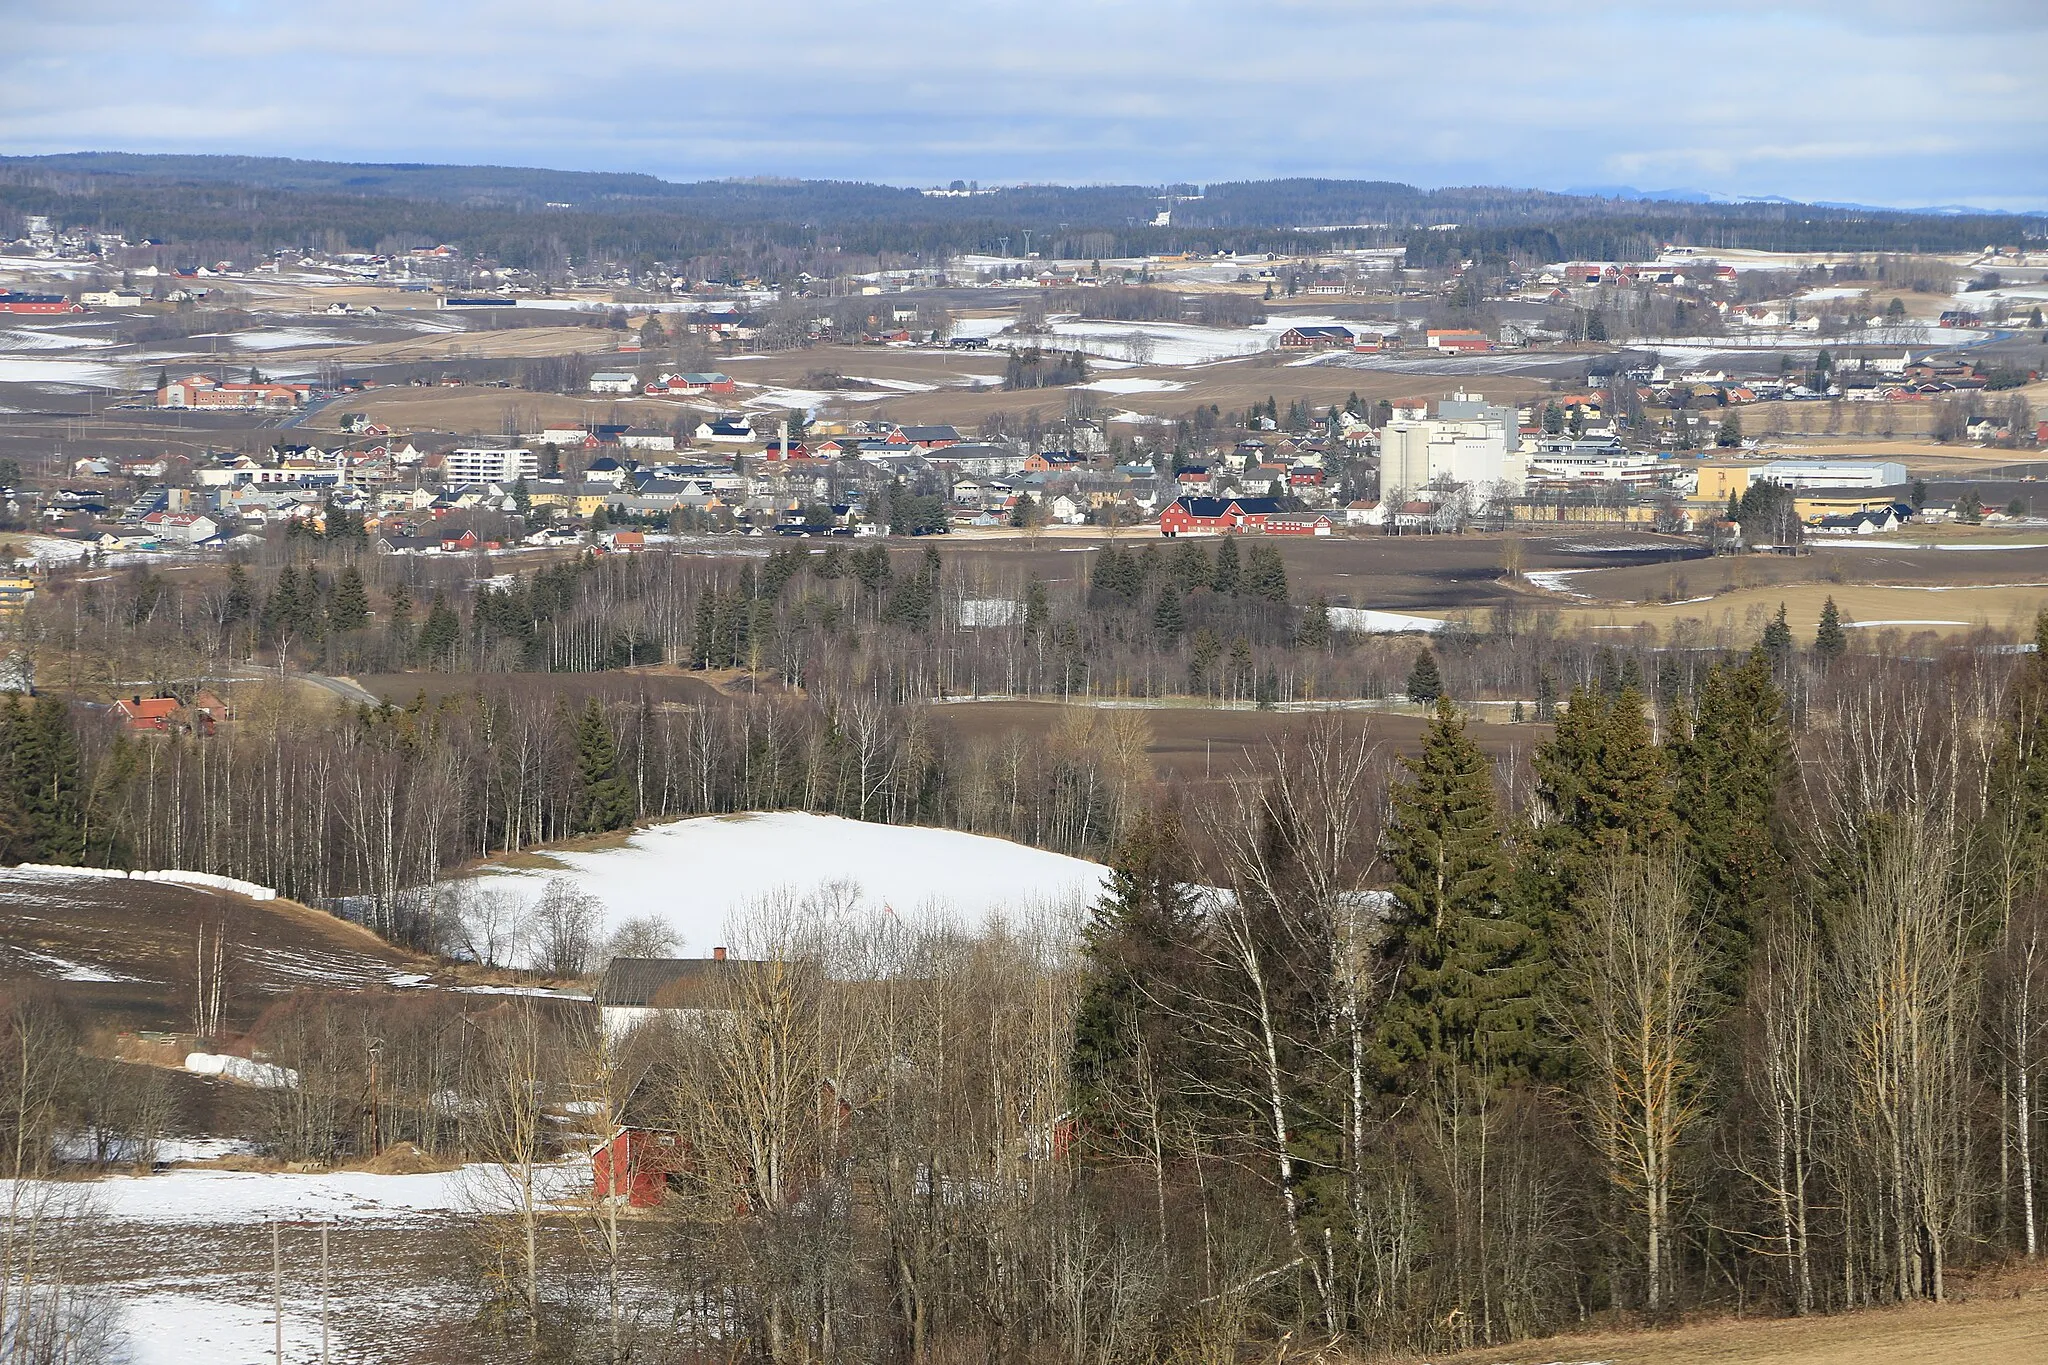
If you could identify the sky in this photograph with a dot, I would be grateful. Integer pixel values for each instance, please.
(1874, 101)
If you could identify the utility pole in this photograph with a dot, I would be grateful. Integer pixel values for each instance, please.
(323, 1291)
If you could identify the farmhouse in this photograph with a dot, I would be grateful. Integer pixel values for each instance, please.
(1314, 338)
(12, 302)
(636, 989)
(1459, 341)
(1216, 515)
(614, 381)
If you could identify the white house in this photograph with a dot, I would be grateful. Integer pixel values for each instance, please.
(614, 381)
(1365, 513)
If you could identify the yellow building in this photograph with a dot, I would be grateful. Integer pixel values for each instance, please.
(1720, 482)
(16, 592)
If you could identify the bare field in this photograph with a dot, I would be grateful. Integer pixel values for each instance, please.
(1911, 590)
(2002, 1321)
(133, 945)
(1393, 573)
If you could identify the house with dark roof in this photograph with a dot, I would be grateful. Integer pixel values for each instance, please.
(1216, 516)
(636, 989)
(1314, 338)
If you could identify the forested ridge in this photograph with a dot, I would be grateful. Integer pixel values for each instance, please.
(254, 205)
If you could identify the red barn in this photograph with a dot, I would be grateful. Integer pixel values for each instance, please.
(1216, 515)
(1298, 524)
(634, 1165)
(12, 302)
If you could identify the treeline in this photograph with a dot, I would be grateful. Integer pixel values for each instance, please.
(207, 208)
(1142, 303)
(1732, 1003)
(1712, 1007)
(1630, 233)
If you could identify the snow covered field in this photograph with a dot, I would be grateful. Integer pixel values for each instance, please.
(194, 1195)
(1364, 622)
(27, 370)
(699, 875)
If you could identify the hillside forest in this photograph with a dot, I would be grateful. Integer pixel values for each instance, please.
(1725, 990)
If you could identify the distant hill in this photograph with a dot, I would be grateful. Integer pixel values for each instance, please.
(532, 216)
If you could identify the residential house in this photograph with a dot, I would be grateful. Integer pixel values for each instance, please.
(614, 381)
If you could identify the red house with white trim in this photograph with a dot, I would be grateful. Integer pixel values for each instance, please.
(1216, 515)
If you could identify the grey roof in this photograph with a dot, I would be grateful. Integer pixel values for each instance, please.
(669, 982)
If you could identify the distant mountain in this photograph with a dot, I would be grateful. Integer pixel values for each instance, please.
(1631, 194)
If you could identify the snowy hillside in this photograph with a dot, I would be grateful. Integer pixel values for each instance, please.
(697, 875)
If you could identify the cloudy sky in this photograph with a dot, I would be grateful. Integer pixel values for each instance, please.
(1874, 101)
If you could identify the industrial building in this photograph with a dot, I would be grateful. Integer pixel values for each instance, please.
(1470, 441)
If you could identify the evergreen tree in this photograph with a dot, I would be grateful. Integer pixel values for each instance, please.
(1168, 618)
(400, 617)
(1830, 640)
(1037, 610)
(239, 603)
(1223, 578)
(1265, 577)
(350, 609)
(1603, 780)
(1546, 697)
(1730, 764)
(281, 610)
(441, 633)
(1190, 566)
(41, 774)
(1135, 963)
(1313, 632)
(604, 799)
(1777, 637)
(1458, 957)
(1425, 682)
(1730, 434)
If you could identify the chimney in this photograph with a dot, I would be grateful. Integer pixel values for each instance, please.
(718, 954)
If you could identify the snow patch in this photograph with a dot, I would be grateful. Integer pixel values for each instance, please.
(262, 1075)
(1364, 622)
(698, 875)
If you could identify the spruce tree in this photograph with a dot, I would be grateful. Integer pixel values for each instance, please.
(1730, 764)
(1136, 961)
(1602, 778)
(350, 609)
(1223, 578)
(1777, 637)
(1313, 632)
(42, 815)
(604, 800)
(1830, 641)
(281, 608)
(1458, 958)
(1190, 566)
(1425, 683)
(237, 605)
(441, 633)
(1168, 618)
(1266, 574)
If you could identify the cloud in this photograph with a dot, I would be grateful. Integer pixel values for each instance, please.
(1750, 97)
